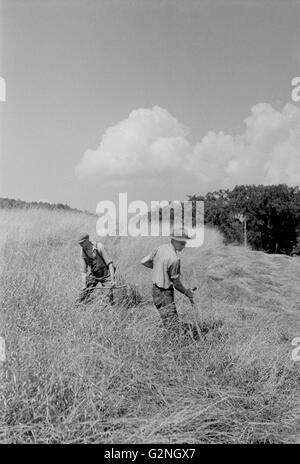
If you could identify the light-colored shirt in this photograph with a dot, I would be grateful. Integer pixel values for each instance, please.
(165, 263)
(101, 250)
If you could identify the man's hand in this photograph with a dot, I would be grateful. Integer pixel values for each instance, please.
(190, 294)
(185, 291)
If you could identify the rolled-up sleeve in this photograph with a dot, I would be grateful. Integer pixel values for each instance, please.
(148, 260)
(106, 257)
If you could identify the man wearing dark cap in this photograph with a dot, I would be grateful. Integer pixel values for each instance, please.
(165, 263)
(96, 267)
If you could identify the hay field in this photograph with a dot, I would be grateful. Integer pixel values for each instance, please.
(107, 374)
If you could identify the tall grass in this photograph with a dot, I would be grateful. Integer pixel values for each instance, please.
(102, 373)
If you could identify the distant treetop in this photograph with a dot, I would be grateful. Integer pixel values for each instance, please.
(10, 203)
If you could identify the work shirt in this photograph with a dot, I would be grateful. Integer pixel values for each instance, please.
(97, 260)
(166, 265)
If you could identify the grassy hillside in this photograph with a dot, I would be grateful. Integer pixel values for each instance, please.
(108, 374)
(11, 203)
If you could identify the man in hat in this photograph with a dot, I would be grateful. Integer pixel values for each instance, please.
(165, 263)
(96, 267)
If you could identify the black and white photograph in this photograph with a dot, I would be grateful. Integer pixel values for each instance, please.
(150, 225)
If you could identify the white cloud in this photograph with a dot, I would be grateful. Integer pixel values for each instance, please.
(152, 144)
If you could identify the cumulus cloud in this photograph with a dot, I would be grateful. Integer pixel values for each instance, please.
(145, 143)
(152, 144)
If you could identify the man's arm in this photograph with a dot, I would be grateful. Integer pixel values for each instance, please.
(181, 288)
(174, 274)
(147, 261)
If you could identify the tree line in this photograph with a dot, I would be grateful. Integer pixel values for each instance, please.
(272, 215)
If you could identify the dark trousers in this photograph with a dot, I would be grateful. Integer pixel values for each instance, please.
(91, 284)
(165, 305)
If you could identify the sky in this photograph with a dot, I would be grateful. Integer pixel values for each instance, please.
(159, 99)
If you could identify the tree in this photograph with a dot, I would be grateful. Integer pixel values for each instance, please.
(272, 213)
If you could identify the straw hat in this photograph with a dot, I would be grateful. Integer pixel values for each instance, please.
(83, 237)
(180, 235)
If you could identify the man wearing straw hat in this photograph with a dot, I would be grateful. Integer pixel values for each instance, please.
(96, 267)
(165, 263)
